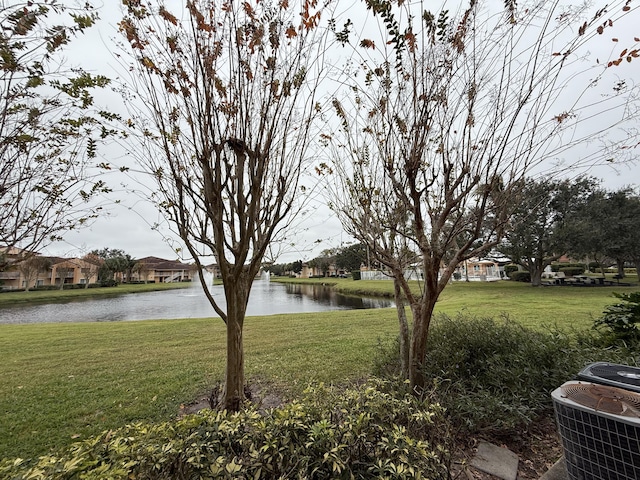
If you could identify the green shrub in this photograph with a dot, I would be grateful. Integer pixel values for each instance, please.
(496, 376)
(509, 269)
(558, 267)
(571, 271)
(356, 275)
(620, 320)
(594, 267)
(73, 286)
(364, 432)
(520, 277)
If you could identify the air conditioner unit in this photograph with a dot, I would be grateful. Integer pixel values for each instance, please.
(613, 374)
(599, 426)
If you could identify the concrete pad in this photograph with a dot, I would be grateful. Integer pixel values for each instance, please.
(497, 461)
(557, 472)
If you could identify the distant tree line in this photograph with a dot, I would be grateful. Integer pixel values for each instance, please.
(348, 258)
(576, 218)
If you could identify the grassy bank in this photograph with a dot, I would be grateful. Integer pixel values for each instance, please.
(571, 307)
(43, 296)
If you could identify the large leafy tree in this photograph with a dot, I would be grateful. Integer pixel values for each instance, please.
(113, 261)
(351, 257)
(227, 93)
(446, 115)
(543, 224)
(605, 227)
(49, 130)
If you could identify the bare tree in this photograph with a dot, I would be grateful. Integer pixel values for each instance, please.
(90, 266)
(445, 117)
(48, 130)
(31, 268)
(142, 270)
(63, 270)
(227, 92)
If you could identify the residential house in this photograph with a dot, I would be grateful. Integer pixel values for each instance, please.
(72, 271)
(331, 271)
(160, 270)
(53, 271)
(474, 269)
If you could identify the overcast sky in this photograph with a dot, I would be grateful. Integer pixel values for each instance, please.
(129, 223)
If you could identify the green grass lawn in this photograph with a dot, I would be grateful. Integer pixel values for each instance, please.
(60, 382)
(571, 307)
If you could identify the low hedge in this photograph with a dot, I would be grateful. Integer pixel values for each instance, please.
(364, 432)
(495, 376)
(557, 267)
(571, 271)
(520, 276)
(509, 269)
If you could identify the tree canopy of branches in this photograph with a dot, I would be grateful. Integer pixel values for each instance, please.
(541, 226)
(31, 268)
(351, 257)
(446, 114)
(227, 94)
(113, 261)
(49, 132)
(605, 227)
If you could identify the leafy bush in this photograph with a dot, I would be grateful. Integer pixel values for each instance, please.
(364, 432)
(558, 267)
(620, 320)
(571, 271)
(497, 376)
(73, 286)
(110, 282)
(356, 275)
(509, 269)
(44, 288)
(520, 277)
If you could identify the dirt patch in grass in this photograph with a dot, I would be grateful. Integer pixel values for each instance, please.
(264, 396)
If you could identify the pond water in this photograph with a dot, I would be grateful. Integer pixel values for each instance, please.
(267, 298)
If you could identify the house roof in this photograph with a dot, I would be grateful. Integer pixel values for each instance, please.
(162, 264)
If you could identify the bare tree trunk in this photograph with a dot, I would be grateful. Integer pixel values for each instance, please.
(536, 276)
(620, 264)
(233, 393)
(404, 328)
(422, 315)
(422, 310)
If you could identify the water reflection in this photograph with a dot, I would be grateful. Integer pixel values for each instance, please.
(267, 298)
(326, 296)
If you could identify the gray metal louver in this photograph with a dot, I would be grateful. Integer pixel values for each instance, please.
(616, 375)
(598, 445)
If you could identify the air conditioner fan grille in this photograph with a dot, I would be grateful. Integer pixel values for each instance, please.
(604, 398)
